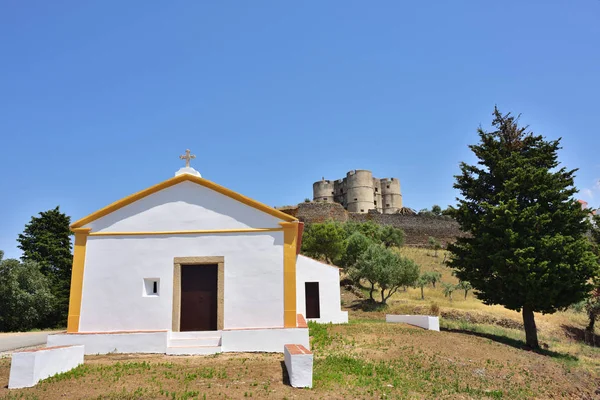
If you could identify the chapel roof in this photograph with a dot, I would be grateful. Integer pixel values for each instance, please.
(182, 177)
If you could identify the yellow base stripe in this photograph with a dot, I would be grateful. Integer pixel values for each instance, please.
(77, 280)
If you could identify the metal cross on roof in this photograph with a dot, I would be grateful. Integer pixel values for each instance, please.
(187, 157)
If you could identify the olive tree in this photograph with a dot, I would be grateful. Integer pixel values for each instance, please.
(386, 269)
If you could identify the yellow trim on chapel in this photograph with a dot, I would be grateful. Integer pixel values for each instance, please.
(81, 235)
(290, 237)
(174, 181)
(191, 232)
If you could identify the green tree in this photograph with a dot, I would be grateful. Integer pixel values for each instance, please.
(592, 304)
(448, 288)
(434, 245)
(386, 269)
(356, 244)
(324, 240)
(436, 210)
(433, 277)
(370, 229)
(465, 286)
(424, 280)
(46, 240)
(526, 249)
(25, 297)
(390, 236)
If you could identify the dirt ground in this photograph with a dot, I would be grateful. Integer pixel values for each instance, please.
(364, 359)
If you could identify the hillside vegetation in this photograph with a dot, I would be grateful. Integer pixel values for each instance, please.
(561, 332)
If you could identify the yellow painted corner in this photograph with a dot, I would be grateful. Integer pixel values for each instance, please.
(81, 236)
(290, 237)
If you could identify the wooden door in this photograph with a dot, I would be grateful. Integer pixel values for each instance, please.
(311, 293)
(198, 298)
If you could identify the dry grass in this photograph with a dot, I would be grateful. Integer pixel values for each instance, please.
(558, 331)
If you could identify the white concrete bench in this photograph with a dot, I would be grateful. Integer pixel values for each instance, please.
(299, 365)
(31, 366)
(424, 321)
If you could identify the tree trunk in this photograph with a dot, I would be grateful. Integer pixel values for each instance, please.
(382, 296)
(530, 328)
(466, 292)
(433, 283)
(590, 327)
(422, 295)
(372, 290)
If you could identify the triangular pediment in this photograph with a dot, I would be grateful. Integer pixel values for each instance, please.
(185, 202)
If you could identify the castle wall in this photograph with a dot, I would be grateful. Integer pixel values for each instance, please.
(417, 228)
(377, 199)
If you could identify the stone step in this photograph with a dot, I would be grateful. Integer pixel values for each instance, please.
(202, 341)
(194, 334)
(193, 350)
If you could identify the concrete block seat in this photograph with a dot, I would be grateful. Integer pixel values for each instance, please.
(299, 365)
(29, 367)
(424, 321)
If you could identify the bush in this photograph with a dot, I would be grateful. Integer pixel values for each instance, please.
(25, 297)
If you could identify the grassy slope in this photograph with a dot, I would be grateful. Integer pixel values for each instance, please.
(558, 331)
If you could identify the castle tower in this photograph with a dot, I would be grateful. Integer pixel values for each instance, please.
(390, 195)
(377, 200)
(323, 191)
(360, 191)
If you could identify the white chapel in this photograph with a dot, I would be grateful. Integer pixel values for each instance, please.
(190, 267)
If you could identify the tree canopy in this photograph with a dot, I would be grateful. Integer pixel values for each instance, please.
(325, 240)
(25, 297)
(46, 241)
(381, 266)
(526, 249)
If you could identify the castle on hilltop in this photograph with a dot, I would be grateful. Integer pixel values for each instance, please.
(359, 192)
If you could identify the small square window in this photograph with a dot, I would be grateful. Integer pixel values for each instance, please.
(355, 199)
(388, 186)
(151, 287)
(387, 205)
(362, 210)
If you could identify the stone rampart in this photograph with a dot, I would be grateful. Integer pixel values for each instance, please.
(417, 228)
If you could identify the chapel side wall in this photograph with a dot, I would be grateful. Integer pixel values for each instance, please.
(113, 290)
(309, 270)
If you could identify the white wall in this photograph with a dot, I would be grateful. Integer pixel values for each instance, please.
(147, 342)
(309, 270)
(263, 340)
(184, 206)
(115, 267)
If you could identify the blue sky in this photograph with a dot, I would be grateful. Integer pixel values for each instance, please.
(99, 98)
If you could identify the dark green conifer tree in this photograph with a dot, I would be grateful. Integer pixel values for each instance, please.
(527, 248)
(46, 241)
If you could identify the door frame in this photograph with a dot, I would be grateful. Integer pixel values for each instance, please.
(199, 261)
